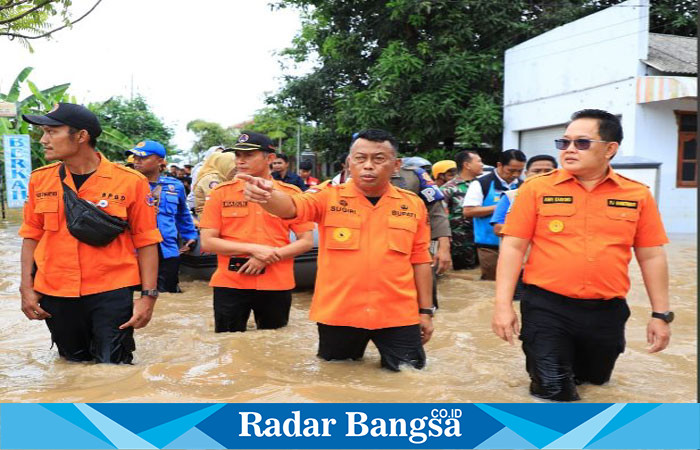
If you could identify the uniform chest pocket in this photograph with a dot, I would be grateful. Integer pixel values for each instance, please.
(49, 211)
(234, 212)
(401, 233)
(556, 219)
(115, 210)
(169, 202)
(342, 231)
(624, 214)
(233, 223)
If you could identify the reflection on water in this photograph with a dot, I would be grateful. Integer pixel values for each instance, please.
(180, 359)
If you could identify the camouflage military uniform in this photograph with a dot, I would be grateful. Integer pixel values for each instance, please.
(463, 248)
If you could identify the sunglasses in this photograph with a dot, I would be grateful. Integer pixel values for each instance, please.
(579, 144)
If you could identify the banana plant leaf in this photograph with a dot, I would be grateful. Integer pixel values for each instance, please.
(13, 95)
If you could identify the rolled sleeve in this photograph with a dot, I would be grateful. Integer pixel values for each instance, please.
(146, 238)
(420, 253)
(522, 218)
(474, 195)
(650, 228)
(142, 217)
(32, 223)
(211, 215)
(302, 227)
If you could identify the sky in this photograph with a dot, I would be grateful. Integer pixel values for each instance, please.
(213, 59)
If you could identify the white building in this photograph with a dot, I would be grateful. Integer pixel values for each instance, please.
(609, 60)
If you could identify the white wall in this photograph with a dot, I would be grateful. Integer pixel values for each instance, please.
(616, 98)
(597, 50)
(593, 63)
(590, 63)
(657, 139)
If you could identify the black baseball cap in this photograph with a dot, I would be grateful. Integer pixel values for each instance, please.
(70, 114)
(249, 141)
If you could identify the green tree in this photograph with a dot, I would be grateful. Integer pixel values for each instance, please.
(39, 102)
(129, 121)
(26, 20)
(431, 71)
(283, 127)
(209, 134)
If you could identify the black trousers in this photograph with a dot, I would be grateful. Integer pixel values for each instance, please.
(570, 341)
(396, 345)
(232, 308)
(168, 273)
(87, 328)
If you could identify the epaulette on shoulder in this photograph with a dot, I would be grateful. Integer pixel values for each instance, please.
(226, 183)
(129, 170)
(48, 166)
(406, 191)
(541, 175)
(175, 181)
(319, 187)
(289, 186)
(631, 180)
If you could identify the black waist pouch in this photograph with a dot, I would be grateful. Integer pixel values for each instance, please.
(86, 222)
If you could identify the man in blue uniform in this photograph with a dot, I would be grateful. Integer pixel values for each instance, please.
(480, 203)
(173, 215)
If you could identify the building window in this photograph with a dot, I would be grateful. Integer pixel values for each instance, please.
(687, 173)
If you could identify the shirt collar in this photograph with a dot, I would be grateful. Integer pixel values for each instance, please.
(563, 175)
(350, 189)
(503, 182)
(104, 168)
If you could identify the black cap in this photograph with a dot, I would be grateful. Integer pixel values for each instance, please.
(70, 114)
(249, 141)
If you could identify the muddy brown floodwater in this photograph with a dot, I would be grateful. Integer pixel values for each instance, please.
(180, 359)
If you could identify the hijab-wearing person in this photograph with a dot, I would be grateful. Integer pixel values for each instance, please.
(219, 167)
(195, 171)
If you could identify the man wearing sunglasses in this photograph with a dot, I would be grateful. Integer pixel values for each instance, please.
(582, 220)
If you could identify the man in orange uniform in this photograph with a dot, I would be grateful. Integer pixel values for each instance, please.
(582, 221)
(255, 257)
(83, 291)
(374, 278)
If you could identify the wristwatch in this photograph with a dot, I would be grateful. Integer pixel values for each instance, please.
(150, 293)
(428, 311)
(665, 316)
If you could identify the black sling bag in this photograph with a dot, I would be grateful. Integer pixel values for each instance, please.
(86, 222)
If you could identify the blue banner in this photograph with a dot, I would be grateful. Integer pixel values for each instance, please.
(18, 167)
(345, 426)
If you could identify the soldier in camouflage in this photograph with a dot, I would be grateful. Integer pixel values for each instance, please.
(463, 249)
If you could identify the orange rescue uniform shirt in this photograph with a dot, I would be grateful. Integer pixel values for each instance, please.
(581, 241)
(238, 220)
(366, 255)
(70, 268)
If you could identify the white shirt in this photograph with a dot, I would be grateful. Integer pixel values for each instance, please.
(475, 196)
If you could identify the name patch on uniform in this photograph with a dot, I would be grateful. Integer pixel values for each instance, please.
(236, 204)
(557, 199)
(622, 203)
(402, 213)
(343, 209)
(46, 194)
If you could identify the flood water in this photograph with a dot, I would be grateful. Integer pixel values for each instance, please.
(180, 359)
